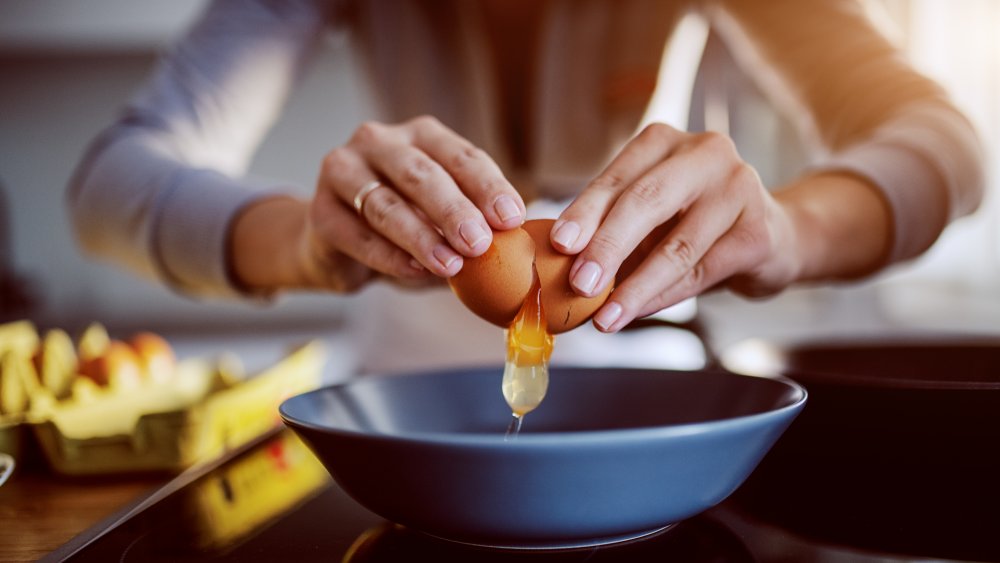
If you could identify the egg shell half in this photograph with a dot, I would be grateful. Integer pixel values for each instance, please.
(495, 284)
(564, 308)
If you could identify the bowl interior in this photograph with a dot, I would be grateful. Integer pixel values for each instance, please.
(578, 400)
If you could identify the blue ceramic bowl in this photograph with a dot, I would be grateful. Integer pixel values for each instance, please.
(610, 454)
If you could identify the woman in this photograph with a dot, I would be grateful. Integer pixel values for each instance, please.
(493, 103)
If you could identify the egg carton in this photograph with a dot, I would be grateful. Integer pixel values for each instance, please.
(196, 412)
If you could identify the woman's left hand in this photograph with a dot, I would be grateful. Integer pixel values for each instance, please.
(673, 215)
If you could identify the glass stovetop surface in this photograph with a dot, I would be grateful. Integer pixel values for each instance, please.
(276, 502)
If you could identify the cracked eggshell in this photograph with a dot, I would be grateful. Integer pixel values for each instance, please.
(564, 308)
(495, 285)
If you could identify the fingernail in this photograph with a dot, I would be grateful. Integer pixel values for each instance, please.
(506, 208)
(448, 258)
(473, 234)
(586, 277)
(608, 315)
(566, 233)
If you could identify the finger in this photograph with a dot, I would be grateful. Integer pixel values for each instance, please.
(578, 222)
(476, 174)
(672, 185)
(426, 184)
(730, 256)
(388, 214)
(337, 230)
(678, 261)
(696, 254)
(746, 258)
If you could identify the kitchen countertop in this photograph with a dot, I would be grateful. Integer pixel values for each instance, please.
(39, 512)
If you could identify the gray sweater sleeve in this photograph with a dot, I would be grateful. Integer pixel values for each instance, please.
(157, 190)
(874, 114)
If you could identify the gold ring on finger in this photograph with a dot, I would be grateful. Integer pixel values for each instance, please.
(362, 195)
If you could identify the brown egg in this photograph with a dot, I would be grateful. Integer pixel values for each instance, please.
(495, 285)
(118, 366)
(156, 356)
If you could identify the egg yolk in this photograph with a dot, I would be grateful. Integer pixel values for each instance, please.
(529, 346)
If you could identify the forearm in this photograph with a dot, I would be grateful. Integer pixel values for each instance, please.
(842, 226)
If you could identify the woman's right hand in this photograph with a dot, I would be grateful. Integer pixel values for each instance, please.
(438, 199)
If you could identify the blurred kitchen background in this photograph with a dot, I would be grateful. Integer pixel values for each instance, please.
(67, 67)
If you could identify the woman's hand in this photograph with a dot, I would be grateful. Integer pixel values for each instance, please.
(677, 213)
(438, 197)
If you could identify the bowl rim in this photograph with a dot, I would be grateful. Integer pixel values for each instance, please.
(533, 440)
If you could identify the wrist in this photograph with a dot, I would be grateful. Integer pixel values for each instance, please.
(842, 226)
(263, 245)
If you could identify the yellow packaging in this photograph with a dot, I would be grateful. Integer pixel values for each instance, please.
(169, 427)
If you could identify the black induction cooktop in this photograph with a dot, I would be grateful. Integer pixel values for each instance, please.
(275, 502)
